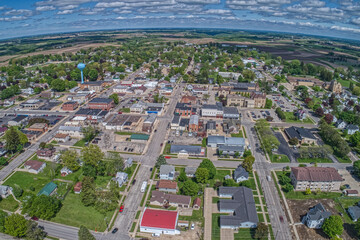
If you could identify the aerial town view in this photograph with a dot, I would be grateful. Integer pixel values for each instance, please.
(180, 119)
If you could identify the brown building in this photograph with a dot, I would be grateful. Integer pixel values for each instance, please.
(96, 86)
(167, 186)
(78, 187)
(70, 106)
(194, 123)
(315, 178)
(101, 103)
(259, 99)
(335, 87)
(47, 94)
(188, 99)
(197, 203)
(307, 81)
(165, 199)
(184, 109)
(38, 127)
(46, 153)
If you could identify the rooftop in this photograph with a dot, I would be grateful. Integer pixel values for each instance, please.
(316, 174)
(159, 219)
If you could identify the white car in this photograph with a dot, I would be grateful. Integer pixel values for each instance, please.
(192, 226)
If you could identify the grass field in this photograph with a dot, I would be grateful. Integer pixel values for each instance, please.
(26, 180)
(74, 213)
(244, 233)
(80, 143)
(290, 118)
(215, 228)
(279, 158)
(316, 160)
(240, 134)
(9, 204)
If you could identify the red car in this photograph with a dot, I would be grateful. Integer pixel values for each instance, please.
(120, 112)
(34, 218)
(281, 219)
(161, 144)
(167, 157)
(121, 208)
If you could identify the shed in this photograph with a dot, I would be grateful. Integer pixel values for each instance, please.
(48, 190)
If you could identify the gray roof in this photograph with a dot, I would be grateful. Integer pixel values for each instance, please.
(211, 125)
(185, 148)
(166, 169)
(176, 119)
(299, 133)
(240, 172)
(231, 110)
(217, 106)
(355, 210)
(19, 118)
(242, 203)
(318, 212)
(352, 127)
(70, 128)
(184, 122)
(231, 148)
(101, 100)
(216, 139)
(194, 119)
(231, 141)
(190, 170)
(4, 189)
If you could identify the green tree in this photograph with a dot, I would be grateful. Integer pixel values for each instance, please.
(16, 225)
(17, 191)
(33, 231)
(333, 226)
(247, 152)
(230, 183)
(44, 207)
(91, 155)
(206, 163)
(308, 191)
(356, 166)
(93, 75)
(160, 161)
(288, 187)
(114, 163)
(88, 195)
(115, 97)
(89, 133)
(294, 141)
(262, 231)
(202, 175)
(58, 85)
(270, 142)
(268, 103)
(248, 163)
(182, 176)
(3, 216)
(190, 188)
(12, 139)
(69, 159)
(84, 234)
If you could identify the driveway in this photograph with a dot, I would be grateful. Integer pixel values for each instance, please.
(284, 147)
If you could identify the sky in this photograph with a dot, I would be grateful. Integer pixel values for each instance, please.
(334, 18)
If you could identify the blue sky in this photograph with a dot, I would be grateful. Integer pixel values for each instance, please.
(336, 18)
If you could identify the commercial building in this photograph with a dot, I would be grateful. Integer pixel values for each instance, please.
(40, 127)
(302, 134)
(101, 103)
(159, 221)
(315, 178)
(70, 106)
(216, 110)
(73, 132)
(194, 123)
(231, 113)
(187, 150)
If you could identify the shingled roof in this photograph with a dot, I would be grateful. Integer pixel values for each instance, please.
(316, 174)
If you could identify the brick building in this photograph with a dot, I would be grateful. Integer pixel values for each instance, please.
(70, 106)
(101, 103)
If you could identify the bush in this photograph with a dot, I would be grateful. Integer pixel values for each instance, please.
(18, 191)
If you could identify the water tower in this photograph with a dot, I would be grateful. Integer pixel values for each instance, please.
(81, 66)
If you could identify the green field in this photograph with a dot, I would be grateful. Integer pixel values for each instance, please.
(9, 204)
(74, 213)
(290, 118)
(240, 134)
(80, 143)
(315, 160)
(279, 158)
(26, 180)
(244, 233)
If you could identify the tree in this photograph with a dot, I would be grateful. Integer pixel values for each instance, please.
(89, 133)
(202, 175)
(268, 103)
(3, 216)
(17, 191)
(182, 176)
(230, 183)
(206, 163)
(247, 152)
(356, 166)
(16, 225)
(328, 118)
(93, 75)
(262, 231)
(333, 226)
(87, 195)
(44, 207)
(23, 138)
(114, 163)
(84, 234)
(270, 142)
(308, 191)
(319, 112)
(92, 154)
(248, 163)
(42, 145)
(58, 85)
(160, 161)
(288, 187)
(69, 159)
(115, 97)
(34, 232)
(190, 188)
(280, 113)
(294, 141)
(12, 139)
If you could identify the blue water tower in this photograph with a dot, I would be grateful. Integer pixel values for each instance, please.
(81, 66)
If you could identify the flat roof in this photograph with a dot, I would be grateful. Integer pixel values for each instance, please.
(159, 219)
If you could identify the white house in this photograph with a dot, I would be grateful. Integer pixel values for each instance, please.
(316, 216)
(121, 178)
(167, 172)
(240, 174)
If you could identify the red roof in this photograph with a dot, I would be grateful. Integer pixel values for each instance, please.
(159, 219)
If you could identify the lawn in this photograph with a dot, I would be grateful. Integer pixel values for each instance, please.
(344, 160)
(315, 160)
(215, 200)
(167, 148)
(197, 216)
(74, 213)
(343, 203)
(244, 233)
(244, 132)
(290, 118)
(345, 83)
(80, 143)
(26, 180)
(124, 133)
(240, 134)
(125, 110)
(279, 158)
(220, 175)
(215, 229)
(301, 195)
(259, 184)
(102, 181)
(9, 204)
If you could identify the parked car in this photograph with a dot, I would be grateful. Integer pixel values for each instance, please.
(34, 218)
(281, 219)
(134, 181)
(114, 230)
(151, 169)
(121, 208)
(161, 144)
(167, 157)
(192, 226)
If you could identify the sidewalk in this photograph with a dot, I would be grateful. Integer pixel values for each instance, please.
(208, 195)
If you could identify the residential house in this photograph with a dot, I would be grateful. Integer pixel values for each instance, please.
(60, 137)
(301, 114)
(46, 153)
(128, 163)
(321, 178)
(240, 174)
(316, 216)
(167, 186)
(27, 91)
(5, 191)
(190, 171)
(352, 129)
(167, 172)
(121, 178)
(340, 124)
(197, 203)
(78, 187)
(241, 204)
(159, 198)
(65, 171)
(34, 166)
(354, 212)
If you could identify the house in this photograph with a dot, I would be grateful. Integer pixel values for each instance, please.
(101, 103)
(241, 204)
(121, 178)
(187, 150)
(352, 129)
(3, 130)
(60, 137)
(197, 203)
(216, 141)
(316, 216)
(322, 178)
(18, 120)
(340, 124)
(167, 172)
(240, 174)
(5, 191)
(236, 151)
(351, 192)
(354, 212)
(48, 190)
(302, 134)
(159, 198)
(46, 153)
(27, 91)
(65, 171)
(78, 187)
(159, 221)
(128, 163)
(183, 223)
(34, 166)
(167, 186)
(190, 171)
(216, 110)
(3, 151)
(301, 114)
(211, 127)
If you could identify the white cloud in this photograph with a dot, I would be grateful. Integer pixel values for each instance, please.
(356, 21)
(45, 8)
(64, 12)
(313, 3)
(347, 29)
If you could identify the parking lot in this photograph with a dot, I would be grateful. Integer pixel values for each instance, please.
(183, 138)
(263, 114)
(284, 147)
(287, 105)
